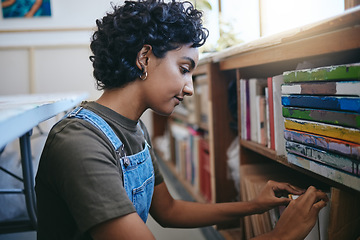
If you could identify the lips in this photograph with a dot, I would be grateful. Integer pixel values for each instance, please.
(179, 98)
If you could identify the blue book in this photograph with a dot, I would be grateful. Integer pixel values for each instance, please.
(351, 104)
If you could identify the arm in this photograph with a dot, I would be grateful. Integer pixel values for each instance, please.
(7, 3)
(192, 214)
(299, 217)
(127, 227)
(34, 8)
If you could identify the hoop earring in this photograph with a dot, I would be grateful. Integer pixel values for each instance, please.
(144, 78)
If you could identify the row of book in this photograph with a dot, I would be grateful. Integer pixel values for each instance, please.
(192, 157)
(321, 110)
(261, 118)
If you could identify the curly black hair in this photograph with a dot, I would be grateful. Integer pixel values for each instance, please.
(122, 33)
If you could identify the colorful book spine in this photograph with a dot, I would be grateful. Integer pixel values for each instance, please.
(271, 113)
(345, 119)
(278, 118)
(334, 160)
(243, 108)
(248, 110)
(325, 171)
(348, 88)
(342, 133)
(348, 149)
(339, 72)
(351, 104)
(205, 170)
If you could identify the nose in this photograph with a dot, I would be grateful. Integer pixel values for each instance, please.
(189, 88)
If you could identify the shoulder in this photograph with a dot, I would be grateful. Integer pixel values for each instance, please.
(72, 142)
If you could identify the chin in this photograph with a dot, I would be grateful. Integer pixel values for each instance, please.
(164, 113)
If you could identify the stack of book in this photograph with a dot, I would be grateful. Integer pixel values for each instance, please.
(321, 108)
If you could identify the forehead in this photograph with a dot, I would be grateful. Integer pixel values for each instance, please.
(185, 52)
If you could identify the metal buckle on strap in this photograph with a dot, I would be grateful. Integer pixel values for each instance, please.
(74, 113)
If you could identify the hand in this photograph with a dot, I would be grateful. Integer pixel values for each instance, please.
(271, 195)
(300, 216)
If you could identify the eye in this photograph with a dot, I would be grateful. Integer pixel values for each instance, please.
(184, 70)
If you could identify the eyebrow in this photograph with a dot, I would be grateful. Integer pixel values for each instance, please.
(192, 62)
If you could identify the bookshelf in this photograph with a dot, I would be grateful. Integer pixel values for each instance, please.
(333, 41)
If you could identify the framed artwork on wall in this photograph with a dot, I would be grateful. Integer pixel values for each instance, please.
(25, 8)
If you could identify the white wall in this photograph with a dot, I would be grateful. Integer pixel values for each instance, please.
(50, 54)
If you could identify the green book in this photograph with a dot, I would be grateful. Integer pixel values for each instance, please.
(339, 72)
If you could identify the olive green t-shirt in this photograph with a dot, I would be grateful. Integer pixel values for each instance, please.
(79, 179)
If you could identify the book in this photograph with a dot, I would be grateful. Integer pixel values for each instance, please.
(338, 72)
(342, 133)
(256, 89)
(262, 136)
(346, 119)
(348, 88)
(331, 159)
(278, 118)
(205, 170)
(243, 108)
(267, 120)
(351, 104)
(271, 113)
(202, 95)
(325, 171)
(348, 149)
(248, 120)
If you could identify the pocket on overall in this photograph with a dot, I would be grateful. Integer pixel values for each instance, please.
(142, 196)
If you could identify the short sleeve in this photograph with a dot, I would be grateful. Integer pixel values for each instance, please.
(87, 175)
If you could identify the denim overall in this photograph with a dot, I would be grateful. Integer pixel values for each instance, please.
(137, 169)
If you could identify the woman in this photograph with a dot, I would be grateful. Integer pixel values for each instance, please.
(98, 176)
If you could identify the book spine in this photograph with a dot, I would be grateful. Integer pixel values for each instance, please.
(325, 171)
(248, 122)
(243, 108)
(327, 158)
(348, 149)
(205, 172)
(271, 113)
(339, 72)
(278, 118)
(349, 88)
(254, 109)
(345, 119)
(351, 104)
(346, 134)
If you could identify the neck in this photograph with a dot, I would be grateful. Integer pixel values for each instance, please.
(124, 101)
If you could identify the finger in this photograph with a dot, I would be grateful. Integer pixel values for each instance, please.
(312, 196)
(280, 186)
(283, 201)
(317, 207)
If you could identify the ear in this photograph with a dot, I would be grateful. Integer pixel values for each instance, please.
(143, 57)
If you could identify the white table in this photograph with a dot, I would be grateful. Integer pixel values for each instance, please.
(19, 114)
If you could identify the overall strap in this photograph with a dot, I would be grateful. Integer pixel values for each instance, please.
(98, 122)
